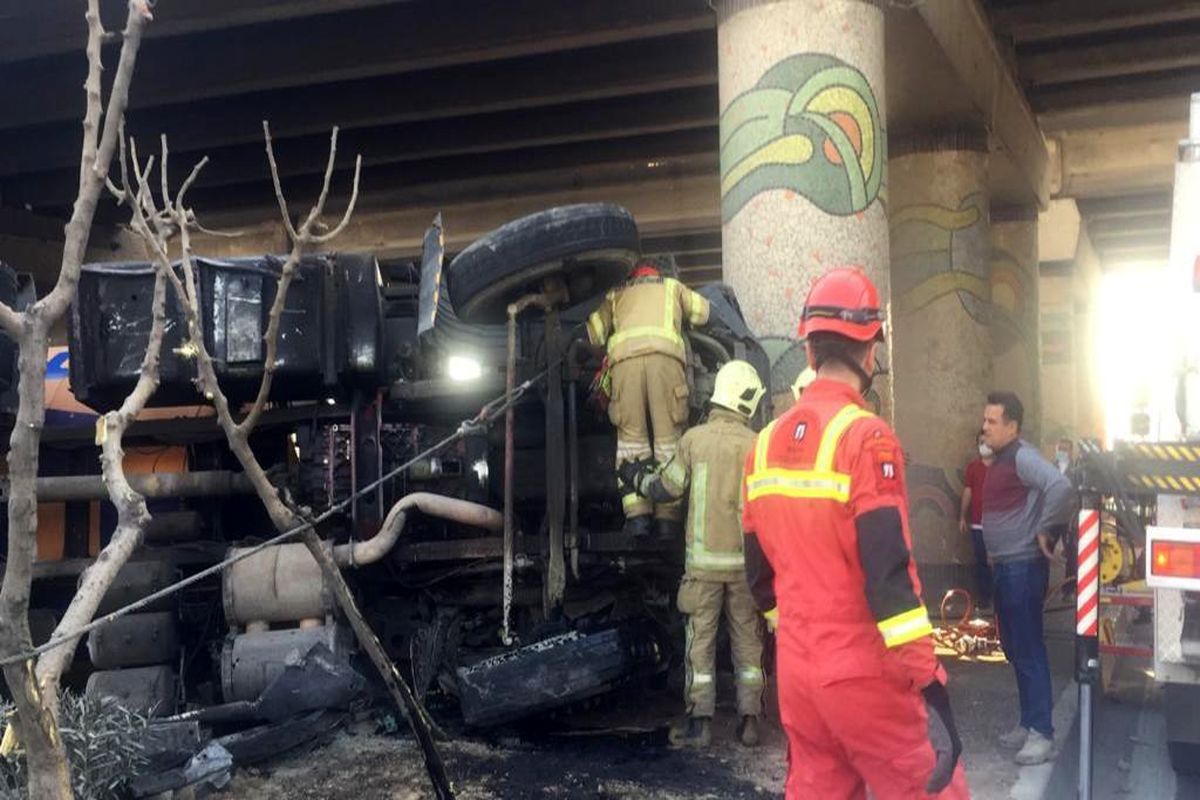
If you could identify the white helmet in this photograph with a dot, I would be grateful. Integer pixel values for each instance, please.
(738, 388)
(807, 376)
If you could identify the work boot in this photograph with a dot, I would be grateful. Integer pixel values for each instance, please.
(1014, 739)
(694, 732)
(1037, 750)
(748, 731)
(669, 530)
(637, 527)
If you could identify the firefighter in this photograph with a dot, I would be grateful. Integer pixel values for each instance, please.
(709, 460)
(641, 324)
(862, 696)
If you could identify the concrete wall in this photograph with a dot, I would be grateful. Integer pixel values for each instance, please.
(1072, 405)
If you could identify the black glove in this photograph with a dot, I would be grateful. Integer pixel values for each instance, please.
(943, 735)
(632, 474)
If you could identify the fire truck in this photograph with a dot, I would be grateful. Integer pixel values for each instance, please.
(1146, 491)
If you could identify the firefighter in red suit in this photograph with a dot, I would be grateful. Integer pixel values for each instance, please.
(828, 558)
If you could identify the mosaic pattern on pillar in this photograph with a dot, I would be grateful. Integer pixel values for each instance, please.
(1011, 323)
(929, 489)
(930, 246)
(811, 125)
(788, 360)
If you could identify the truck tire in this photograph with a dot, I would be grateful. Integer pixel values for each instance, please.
(593, 246)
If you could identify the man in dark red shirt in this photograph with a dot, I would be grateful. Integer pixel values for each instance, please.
(970, 519)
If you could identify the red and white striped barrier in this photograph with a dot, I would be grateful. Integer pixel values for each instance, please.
(1087, 586)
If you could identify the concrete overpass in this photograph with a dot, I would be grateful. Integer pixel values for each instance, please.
(461, 104)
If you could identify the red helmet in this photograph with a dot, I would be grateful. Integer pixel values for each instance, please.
(843, 301)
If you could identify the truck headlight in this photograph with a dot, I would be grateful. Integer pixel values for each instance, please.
(463, 368)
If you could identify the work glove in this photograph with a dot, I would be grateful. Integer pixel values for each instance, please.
(772, 619)
(633, 475)
(943, 735)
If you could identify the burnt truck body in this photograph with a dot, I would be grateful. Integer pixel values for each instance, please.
(377, 362)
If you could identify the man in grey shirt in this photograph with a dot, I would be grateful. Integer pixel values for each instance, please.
(1026, 502)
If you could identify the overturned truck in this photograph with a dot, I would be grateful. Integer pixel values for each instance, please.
(495, 569)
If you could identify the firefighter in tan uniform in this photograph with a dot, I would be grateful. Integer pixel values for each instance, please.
(641, 325)
(710, 459)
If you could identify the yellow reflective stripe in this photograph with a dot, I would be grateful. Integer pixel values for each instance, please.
(644, 330)
(629, 500)
(716, 561)
(698, 554)
(693, 305)
(701, 678)
(906, 627)
(761, 446)
(800, 483)
(595, 328)
(833, 433)
(670, 295)
(750, 675)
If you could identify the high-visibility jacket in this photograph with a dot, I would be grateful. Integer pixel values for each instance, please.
(709, 461)
(646, 315)
(827, 541)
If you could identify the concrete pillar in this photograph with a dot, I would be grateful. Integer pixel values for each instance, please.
(941, 309)
(803, 152)
(1016, 363)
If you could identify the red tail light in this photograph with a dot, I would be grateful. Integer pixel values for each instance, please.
(1174, 555)
(1176, 559)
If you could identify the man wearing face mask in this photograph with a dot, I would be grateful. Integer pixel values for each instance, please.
(970, 519)
(1026, 505)
(828, 550)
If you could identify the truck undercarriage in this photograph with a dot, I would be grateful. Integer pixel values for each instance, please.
(374, 368)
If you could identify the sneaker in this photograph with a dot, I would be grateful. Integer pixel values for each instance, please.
(748, 731)
(1014, 739)
(1037, 750)
(693, 732)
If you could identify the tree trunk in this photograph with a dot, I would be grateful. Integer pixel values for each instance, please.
(49, 775)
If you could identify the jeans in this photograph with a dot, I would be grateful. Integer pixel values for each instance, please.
(983, 571)
(1018, 591)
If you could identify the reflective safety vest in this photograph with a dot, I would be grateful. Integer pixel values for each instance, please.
(707, 465)
(644, 316)
(826, 505)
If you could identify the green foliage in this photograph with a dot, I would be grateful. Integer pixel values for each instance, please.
(104, 744)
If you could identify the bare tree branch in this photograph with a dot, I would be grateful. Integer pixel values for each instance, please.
(54, 305)
(279, 198)
(35, 720)
(162, 171)
(195, 225)
(132, 514)
(341, 226)
(91, 87)
(301, 239)
(11, 321)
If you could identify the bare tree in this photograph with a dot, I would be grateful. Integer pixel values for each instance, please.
(176, 218)
(35, 719)
(132, 514)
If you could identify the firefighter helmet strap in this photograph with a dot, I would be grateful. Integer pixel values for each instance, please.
(840, 354)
